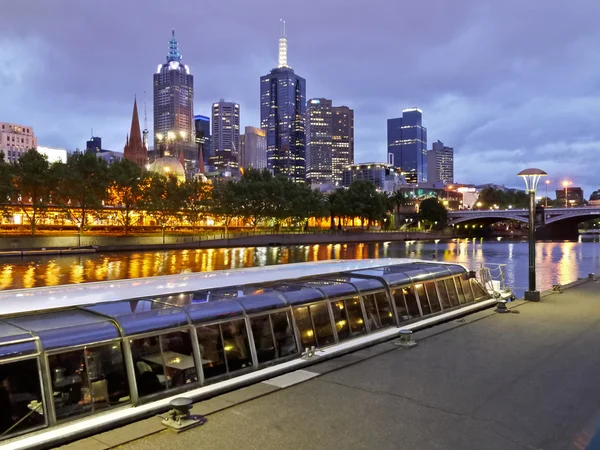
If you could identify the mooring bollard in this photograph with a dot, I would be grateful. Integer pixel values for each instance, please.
(501, 307)
(406, 339)
(179, 418)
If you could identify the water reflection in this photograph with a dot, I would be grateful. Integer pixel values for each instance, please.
(557, 262)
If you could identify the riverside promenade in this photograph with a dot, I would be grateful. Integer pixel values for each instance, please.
(524, 380)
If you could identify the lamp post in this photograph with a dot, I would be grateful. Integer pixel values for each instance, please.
(547, 183)
(532, 178)
(566, 185)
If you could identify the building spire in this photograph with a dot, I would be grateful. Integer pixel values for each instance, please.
(174, 54)
(282, 60)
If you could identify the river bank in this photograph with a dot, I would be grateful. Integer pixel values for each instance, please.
(57, 245)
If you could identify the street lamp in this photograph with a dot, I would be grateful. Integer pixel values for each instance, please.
(547, 183)
(532, 178)
(565, 185)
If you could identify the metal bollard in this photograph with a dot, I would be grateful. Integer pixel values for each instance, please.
(501, 307)
(179, 418)
(406, 339)
(591, 276)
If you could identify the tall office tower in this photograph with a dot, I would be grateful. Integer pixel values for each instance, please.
(342, 142)
(318, 141)
(135, 150)
(173, 100)
(440, 164)
(202, 128)
(225, 139)
(282, 116)
(254, 149)
(94, 145)
(16, 140)
(407, 145)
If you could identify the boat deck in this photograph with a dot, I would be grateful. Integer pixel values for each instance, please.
(493, 381)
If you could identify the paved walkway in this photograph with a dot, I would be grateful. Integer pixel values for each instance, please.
(526, 380)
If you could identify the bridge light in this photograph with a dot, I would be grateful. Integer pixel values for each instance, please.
(509, 206)
(479, 204)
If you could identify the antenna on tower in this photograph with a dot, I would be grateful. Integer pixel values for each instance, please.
(282, 59)
(282, 27)
(145, 133)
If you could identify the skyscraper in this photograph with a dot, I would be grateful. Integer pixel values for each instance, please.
(225, 137)
(318, 141)
(173, 99)
(407, 145)
(282, 116)
(135, 150)
(202, 128)
(16, 140)
(440, 164)
(253, 151)
(342, 142)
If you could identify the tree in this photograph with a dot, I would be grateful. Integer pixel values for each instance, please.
(197, 196)
(434, 213)
(81, 185)
(398, 200)
(125, 190)
(7, 186)
(224, 201)
(305, 203)
(163, 200)
(365, 202)
(34, 186)
(258, 196)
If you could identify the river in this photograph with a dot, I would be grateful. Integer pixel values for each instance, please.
(557, 262)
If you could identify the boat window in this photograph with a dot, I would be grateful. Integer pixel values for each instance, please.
(305, 327)
(420, 289)
(209, 311)
(330, 287)
(357, 321)
(236, 345)
(386, 316)
(211, 349)
(163, 362)
(478, 290)
(88, 380)
(285, 342)
(21, 406)
(398, 296)
(340, 318)
(411, 302)
(371, 311)
(263, 338)
(322, 321)
(444, 298)
(452, 295)
(464, 281)
(433, 297)
(461, 294)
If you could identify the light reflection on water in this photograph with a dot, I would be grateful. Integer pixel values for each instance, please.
(557, 262)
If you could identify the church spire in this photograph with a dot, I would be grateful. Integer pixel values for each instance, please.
(174, 54)
(282, 59)
(135, 150)
(135, 135)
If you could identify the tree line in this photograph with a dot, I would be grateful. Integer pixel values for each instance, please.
(86, 185)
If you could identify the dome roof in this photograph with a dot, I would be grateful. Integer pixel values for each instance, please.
(168, 165)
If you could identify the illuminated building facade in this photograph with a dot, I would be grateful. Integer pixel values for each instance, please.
(225, 138)
(386, 177)
(173, 99)
(318, 141)
(15, 140)
(440, 164)
(407, 145)
(342, 142)
(282, 116)
(254, 148)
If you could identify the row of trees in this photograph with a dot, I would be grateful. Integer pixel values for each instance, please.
(86, 185)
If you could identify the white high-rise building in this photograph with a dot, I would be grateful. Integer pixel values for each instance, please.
(254, 148)
(16, 140)
(440, 164)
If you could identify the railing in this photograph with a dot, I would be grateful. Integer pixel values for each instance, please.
(491, 276)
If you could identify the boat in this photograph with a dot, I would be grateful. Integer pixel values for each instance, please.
(79, 359)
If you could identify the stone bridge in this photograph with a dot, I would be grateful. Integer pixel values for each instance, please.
(551, 223)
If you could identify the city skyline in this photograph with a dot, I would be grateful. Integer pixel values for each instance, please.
(501, 96)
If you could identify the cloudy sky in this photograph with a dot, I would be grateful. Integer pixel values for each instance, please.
(509, 84)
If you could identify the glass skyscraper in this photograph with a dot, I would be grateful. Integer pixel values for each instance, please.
(407, 145)
(282, 116)
(318, 141)
(202, 128)
(173, 99)
(225, 138)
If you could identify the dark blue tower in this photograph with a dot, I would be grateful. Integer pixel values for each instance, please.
(407, 145)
